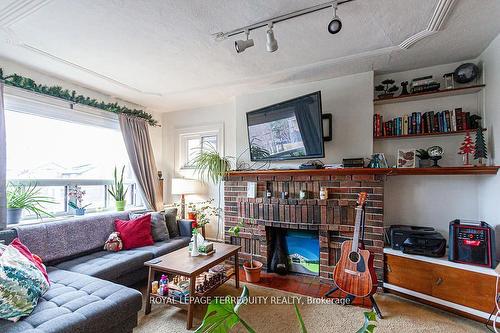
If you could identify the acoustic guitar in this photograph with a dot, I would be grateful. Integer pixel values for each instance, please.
(354, 273)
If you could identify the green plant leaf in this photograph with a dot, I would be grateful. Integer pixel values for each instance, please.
(221, 317)
(368, 326)
(299, 318)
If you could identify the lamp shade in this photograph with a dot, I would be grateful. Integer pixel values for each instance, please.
(186, 186)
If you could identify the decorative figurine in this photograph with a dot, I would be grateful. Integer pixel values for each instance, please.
(404, 89)
(435, 154)
(387, 89)
(466, 148)
(480, 149)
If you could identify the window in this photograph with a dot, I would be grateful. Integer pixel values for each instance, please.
(58, 154)
(196, 145)
(194, 140)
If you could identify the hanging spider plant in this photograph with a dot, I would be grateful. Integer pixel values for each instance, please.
(211, 166)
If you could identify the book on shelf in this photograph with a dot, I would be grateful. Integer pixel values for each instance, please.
(418, 123)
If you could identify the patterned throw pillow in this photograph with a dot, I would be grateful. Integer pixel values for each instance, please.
(21, 284)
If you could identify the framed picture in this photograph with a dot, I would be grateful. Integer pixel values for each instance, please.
(406, 158)
(378, 160)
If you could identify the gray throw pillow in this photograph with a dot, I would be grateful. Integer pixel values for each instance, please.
(170, 215)
(159, 229)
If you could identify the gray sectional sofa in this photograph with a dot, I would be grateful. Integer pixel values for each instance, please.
(88, 291)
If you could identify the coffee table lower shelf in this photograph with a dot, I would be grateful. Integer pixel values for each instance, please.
(179, 263)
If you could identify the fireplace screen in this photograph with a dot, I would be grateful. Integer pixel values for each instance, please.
(303, 252)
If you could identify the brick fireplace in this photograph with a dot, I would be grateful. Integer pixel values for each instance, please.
(332, 219)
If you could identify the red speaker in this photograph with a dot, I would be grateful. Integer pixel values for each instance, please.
(472, 243)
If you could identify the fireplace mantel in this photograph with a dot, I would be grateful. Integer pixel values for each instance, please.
(477, 170)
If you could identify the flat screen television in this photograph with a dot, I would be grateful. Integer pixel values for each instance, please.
(288, 130)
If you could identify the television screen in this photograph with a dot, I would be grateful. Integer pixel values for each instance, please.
(288, 130)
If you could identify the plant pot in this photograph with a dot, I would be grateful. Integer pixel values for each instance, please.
(14, 215)
(425, 163)
(252, 274)
(120, 205)
(79, 211)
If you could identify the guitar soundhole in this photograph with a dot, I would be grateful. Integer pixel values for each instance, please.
(354, 257)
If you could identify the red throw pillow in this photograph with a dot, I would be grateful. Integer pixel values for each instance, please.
(16, 243)
(135, 233)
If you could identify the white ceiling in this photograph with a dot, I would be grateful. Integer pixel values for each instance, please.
(160, 53)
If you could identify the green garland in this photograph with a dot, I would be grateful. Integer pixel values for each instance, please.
(56, 91)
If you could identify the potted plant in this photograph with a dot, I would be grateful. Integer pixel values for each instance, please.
(252, 268)
(25, 197)
(424, 158)
(212, 167)
(118, 191)
(75, 200)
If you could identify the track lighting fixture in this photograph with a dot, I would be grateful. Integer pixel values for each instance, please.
(242, 45)
(272, 43)
(335, 24)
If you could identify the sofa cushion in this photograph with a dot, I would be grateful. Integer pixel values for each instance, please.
(35, 259)
(61, 239)
(78, 303)
(107, 265)
(135, 233)
(170, 215)
(161, 248)
(159, 229)
(21, 284)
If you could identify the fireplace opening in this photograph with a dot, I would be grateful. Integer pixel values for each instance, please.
(293, 251)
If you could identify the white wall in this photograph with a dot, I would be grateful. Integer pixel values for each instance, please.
(173, 121)
(429, 200)
(348, 99)
(489, 187)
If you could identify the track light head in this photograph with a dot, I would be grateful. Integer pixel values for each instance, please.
(335, 24)
(272, 43)
(242, 45)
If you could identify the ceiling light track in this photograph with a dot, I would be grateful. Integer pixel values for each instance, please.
(272, 45)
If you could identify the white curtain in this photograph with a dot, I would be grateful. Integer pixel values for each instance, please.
(3, 164)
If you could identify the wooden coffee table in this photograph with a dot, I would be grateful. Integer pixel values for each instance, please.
(181, 263)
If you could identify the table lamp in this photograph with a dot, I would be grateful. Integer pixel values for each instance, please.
(183, 187)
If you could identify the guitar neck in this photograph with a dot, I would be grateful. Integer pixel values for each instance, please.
(357, 227)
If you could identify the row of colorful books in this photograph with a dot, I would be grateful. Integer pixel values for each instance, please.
(423, 123)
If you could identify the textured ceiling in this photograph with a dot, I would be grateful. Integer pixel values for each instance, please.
(160, 53)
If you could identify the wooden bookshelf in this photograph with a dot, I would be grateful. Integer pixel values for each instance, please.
(423, 135)
(431, 94)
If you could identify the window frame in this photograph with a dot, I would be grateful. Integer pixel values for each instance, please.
(184, 134)
(30, 103)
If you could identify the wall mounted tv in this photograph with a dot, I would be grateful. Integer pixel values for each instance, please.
(288, 130)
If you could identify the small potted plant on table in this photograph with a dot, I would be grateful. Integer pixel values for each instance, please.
(252, 268)
(118, 191)
(25, 197)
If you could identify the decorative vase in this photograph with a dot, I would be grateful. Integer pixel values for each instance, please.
(79, 211)
(120, 205)
(194, 250)
(14, 215)
(252, 274)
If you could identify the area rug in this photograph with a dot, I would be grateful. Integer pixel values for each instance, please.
(400, 315)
